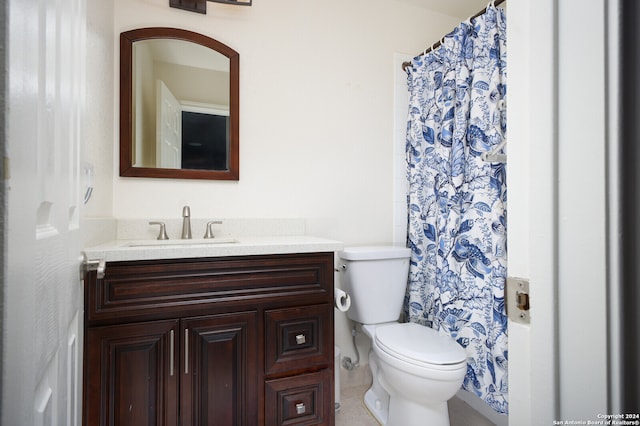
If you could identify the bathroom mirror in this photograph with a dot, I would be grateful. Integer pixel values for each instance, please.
(178, 105)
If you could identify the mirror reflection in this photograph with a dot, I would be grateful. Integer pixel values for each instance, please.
(180, 118)
(181, 106)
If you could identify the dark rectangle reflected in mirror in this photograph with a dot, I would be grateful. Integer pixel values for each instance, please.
(178, 105)
(204, 141)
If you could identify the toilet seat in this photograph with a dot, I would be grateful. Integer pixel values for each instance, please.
(419, 345)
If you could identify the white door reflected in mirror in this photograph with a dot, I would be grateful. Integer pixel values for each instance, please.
(169, 130)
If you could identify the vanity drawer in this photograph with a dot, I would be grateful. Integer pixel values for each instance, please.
(298, 338)
(143, 290)
(299, 400)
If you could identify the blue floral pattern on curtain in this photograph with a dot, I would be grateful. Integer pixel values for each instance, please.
(457, 201)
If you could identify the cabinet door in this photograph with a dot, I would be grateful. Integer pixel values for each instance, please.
(219, 370)
(131, 375)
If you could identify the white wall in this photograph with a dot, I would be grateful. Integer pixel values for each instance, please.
(316, 112)
(101, 107)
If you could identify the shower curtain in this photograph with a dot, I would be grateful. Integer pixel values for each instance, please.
(457, 199)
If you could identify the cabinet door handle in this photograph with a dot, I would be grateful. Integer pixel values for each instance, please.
(300, 408)
(171, 347)
(186, 351)
(301, 339)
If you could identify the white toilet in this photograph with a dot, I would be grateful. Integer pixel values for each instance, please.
(415, 369)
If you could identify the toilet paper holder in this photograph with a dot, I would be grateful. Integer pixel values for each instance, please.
(342, 300)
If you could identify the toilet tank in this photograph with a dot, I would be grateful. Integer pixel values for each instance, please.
(376, 279)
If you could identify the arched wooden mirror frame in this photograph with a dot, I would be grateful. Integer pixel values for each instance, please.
(127, 168)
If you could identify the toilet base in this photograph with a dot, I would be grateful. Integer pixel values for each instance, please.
(378, 407)
(376, 399)
(404, 412)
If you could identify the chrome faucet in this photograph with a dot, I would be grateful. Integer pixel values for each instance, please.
(186, 223)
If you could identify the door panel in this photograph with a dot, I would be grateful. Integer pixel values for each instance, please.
(219, 370)
(132, 376)
(43, 294)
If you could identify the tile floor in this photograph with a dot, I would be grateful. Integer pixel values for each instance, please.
(353, 412)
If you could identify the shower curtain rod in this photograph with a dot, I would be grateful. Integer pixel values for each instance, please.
(439, 42)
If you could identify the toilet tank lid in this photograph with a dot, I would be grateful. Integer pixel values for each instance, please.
(374, 252)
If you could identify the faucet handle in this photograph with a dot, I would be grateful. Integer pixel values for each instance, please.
(162, 235)
(209, 232)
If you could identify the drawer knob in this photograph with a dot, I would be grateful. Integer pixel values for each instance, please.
(300, 339)
(300, 408)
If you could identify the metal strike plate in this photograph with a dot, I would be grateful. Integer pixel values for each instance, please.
(517, 300)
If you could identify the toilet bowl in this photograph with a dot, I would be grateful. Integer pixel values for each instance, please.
(421, 370)
(415, 369)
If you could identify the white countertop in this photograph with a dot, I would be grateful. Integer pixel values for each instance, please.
(122, 250)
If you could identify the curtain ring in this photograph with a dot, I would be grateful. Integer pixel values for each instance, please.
(427, 50)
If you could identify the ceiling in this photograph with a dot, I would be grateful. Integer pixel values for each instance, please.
(459, 8)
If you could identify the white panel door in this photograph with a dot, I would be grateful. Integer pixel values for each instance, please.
(43, 293)
(169, 128)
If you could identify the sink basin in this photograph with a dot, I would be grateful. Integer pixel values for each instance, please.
(181, 243)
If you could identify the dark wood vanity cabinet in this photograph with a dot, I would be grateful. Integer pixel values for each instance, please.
(213, 341)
